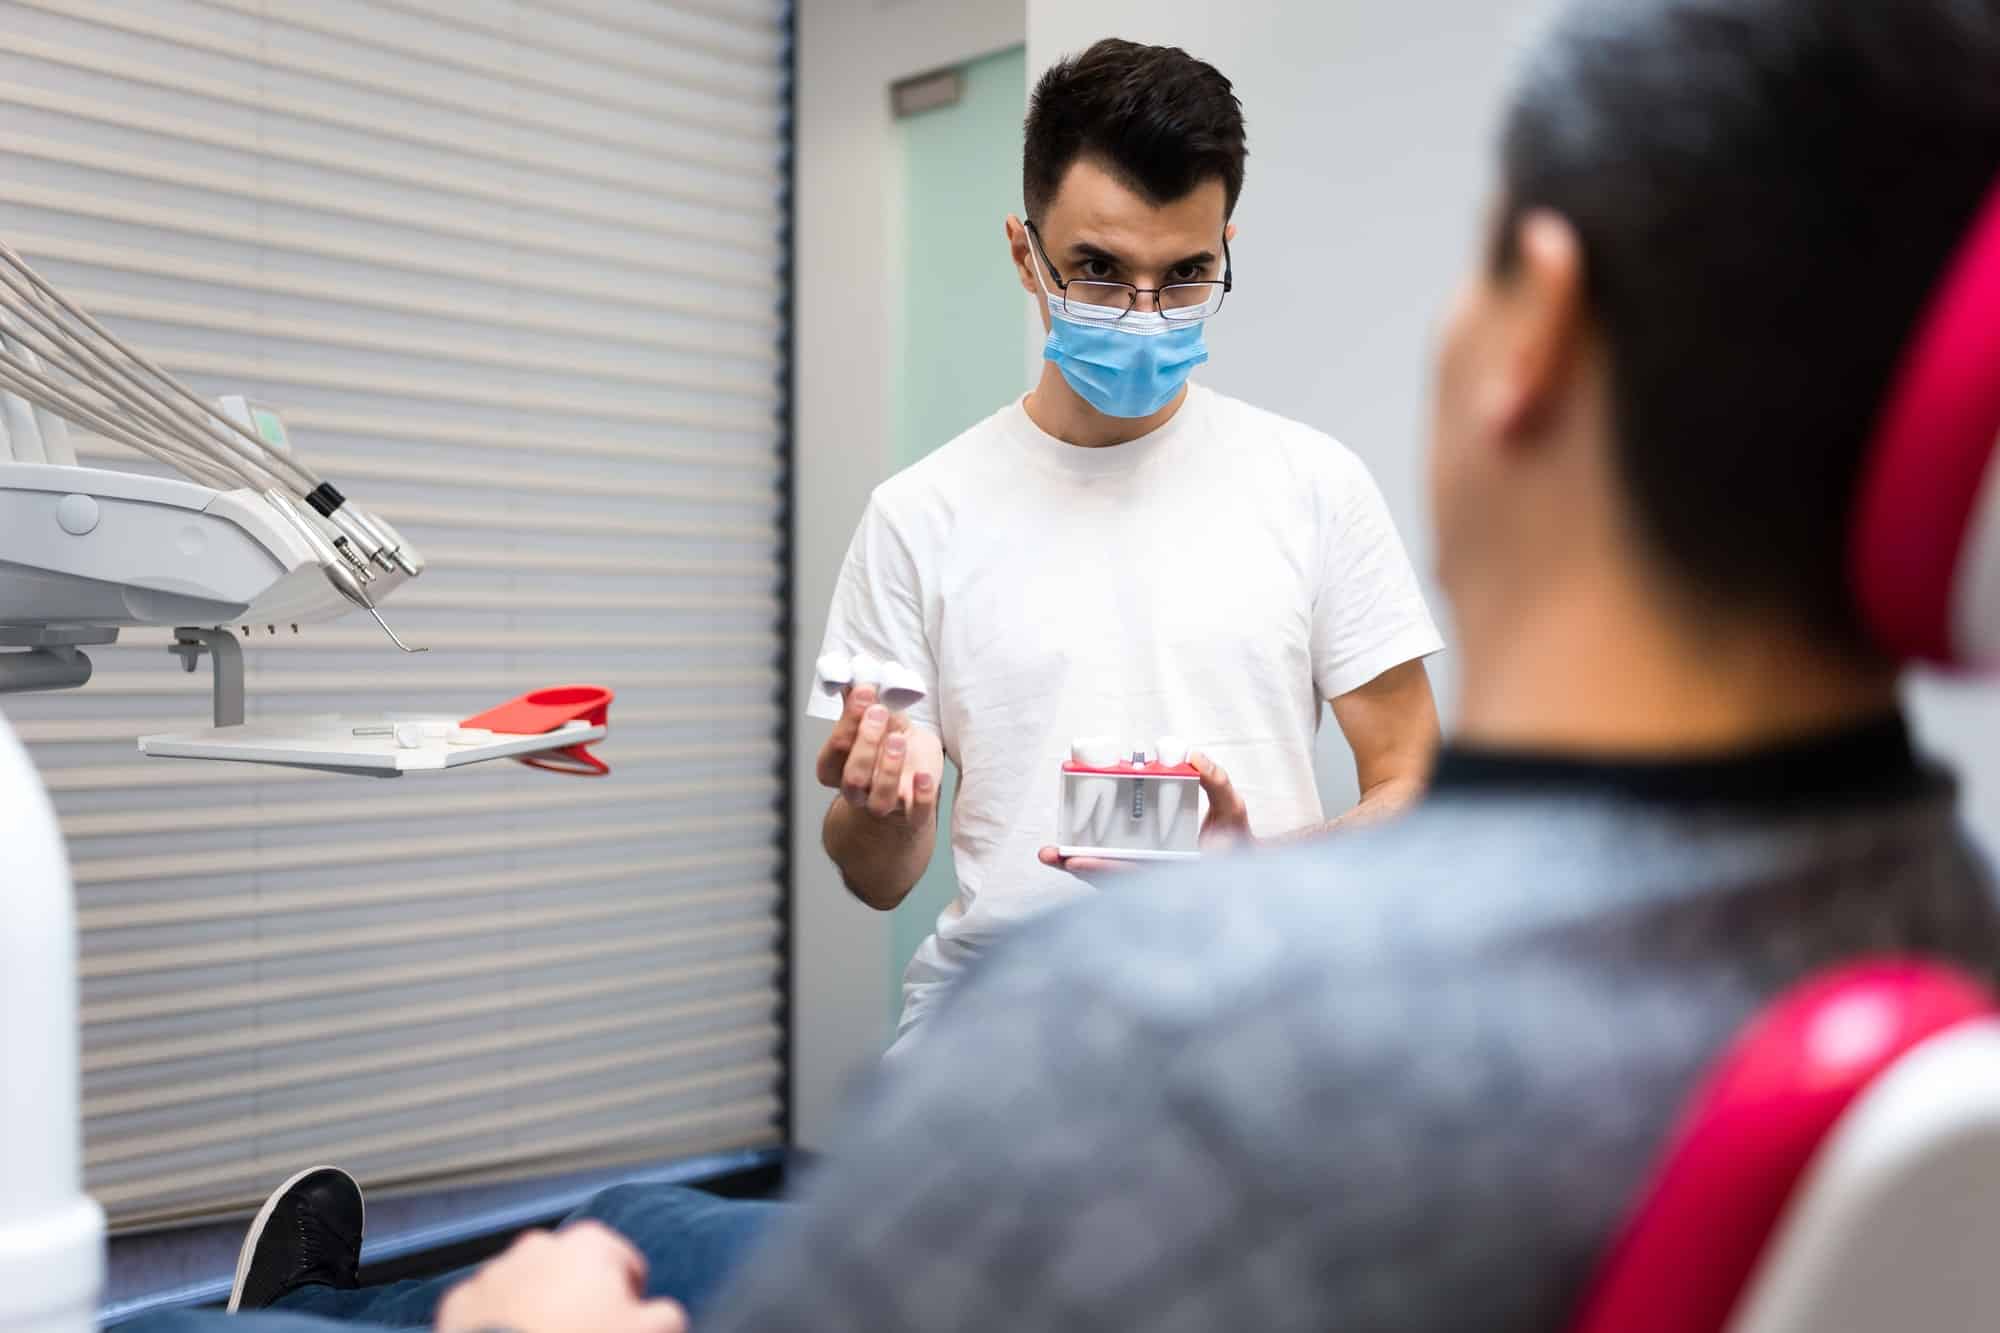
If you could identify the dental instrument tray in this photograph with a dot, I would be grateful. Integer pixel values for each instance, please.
(1136, 808)
(548, 729)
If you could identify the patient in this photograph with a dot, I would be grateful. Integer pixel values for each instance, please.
(1412, 1079)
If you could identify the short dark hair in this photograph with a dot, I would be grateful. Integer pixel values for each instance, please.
(1766, 193)
(1161, 120)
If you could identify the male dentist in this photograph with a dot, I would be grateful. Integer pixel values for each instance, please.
(1119, 554)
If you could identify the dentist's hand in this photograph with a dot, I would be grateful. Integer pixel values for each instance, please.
(1228, 822)
(1227, 827)
(880, 764)
(1090, 869)
(882, 827)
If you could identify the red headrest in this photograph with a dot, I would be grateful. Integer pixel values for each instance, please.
(1722, 1185)
(1925, 559)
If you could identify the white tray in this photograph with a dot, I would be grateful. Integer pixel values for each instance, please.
(1126, 854)
(329, 743)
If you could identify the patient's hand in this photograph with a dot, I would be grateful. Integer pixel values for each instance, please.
(583, 1279)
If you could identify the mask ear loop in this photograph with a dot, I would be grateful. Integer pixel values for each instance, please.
(1924, 494)
(1036, 261)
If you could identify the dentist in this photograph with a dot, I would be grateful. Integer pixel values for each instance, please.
(1120, 553)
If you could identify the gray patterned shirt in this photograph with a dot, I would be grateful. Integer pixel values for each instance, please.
(1409, 1079)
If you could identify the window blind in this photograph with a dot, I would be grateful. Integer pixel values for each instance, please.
(514, 274)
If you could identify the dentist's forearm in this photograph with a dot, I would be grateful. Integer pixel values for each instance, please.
(880, 860)
(1380, 803)
(1391, 724)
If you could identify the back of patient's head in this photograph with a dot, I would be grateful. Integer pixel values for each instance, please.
(1765, 193)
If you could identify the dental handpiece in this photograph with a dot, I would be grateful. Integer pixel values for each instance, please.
(136, 384)
(345, 579)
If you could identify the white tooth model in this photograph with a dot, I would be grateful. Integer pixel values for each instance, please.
(900, 688)
(1129, 805)
(1091, 802)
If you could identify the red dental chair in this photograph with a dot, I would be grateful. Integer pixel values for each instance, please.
(1839, 1172)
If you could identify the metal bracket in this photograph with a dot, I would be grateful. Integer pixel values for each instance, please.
(189, 644)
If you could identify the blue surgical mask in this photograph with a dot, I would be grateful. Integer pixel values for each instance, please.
(1132, 367)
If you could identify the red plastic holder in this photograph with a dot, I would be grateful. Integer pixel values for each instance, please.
(541, 711)
(1125, 768)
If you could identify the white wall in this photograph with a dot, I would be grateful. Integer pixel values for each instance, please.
(849, 207)
(1371, 126)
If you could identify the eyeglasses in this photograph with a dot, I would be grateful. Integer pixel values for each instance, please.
(1107, 302)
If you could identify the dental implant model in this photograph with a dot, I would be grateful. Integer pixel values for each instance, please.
(1129, 805)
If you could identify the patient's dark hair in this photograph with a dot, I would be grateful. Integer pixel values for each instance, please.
(1767, 193)
(1161, 120)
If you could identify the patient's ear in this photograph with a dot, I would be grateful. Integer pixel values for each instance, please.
(1541, 325)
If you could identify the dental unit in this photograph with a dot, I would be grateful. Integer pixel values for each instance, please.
(1129, 805)
(247, 534)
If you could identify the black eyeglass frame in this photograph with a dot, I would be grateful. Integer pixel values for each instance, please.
(1227, 283)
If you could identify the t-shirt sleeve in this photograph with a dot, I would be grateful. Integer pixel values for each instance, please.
(1368, 612)
(878, 610)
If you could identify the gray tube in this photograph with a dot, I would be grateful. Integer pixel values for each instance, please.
(54, 433)
(43, 669)
(20, 417)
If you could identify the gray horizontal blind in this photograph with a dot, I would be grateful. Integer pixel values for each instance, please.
(513, 273)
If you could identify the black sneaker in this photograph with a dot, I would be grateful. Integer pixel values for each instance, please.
(307, 1234)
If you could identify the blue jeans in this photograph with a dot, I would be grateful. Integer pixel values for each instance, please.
(692, 1242)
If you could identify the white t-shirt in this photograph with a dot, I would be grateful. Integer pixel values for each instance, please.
(1214, 580)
